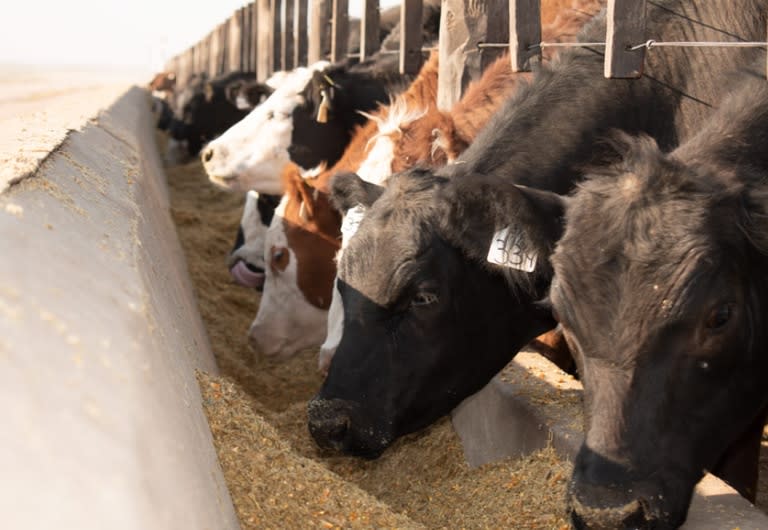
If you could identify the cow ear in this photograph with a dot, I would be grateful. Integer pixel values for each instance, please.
(306, 195)
(258, 92)
(349, 190)
(505, 225)
(231, 91)
(323, 94)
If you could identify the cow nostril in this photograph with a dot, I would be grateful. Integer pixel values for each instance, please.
(338, 431)
(208, 154)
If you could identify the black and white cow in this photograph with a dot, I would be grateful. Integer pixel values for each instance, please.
(427, 319)
(661, 288)
(204, 111)
(246, 260)
(308, 121)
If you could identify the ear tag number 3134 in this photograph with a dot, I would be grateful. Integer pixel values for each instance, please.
(507, 251)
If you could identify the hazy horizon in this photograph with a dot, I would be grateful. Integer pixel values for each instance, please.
(108, 36)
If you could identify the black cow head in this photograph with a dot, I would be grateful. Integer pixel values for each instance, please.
(331, 103)
(319, 134)
(660, 287)
(206, 112)
(427, 320)
(246, 95)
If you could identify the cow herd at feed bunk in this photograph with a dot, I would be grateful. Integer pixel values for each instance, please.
(459, 179)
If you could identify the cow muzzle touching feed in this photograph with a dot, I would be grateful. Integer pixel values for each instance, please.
(606, 495)
(331, 424)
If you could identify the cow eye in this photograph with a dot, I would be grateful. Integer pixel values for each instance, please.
(424, 298)
(270, 115)
(719, 316)
(277, 256)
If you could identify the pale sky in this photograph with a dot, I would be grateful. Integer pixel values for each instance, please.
(129, 34)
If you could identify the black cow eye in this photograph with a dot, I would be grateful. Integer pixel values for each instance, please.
(719, 316)
(278, 254)
(270, 115)
(424, 298)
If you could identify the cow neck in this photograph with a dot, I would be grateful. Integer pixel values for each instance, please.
(311, 229)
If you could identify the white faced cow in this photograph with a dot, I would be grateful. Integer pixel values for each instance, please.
(251, 154)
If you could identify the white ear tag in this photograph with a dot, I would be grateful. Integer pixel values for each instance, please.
(351, 221)
(506, 250)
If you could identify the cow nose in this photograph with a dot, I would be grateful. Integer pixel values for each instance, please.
(609, 520)
(329, 422)
(208, 154)
(604, 494)
(632, 515)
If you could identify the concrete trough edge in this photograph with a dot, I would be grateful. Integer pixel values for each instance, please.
(100, 338)
(513, 415)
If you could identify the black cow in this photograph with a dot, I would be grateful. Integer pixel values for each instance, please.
(162, 112)
(427, 321)
(205, 112)
(246, 95)
(662, 293)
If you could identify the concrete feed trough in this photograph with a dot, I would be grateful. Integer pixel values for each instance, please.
(99, 340)
(100, 337)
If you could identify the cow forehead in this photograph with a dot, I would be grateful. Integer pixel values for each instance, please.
(653, 256)
(388, 249)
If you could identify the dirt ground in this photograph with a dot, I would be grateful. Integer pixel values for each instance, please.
(257, 411)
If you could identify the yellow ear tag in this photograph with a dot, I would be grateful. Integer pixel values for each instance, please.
(325, 105)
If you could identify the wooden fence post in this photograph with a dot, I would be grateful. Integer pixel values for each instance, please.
(245, 41)
(369, 28)
(410, 36)
(625, 21)
(524, 33)
(339, 30)
(464, 25)
(215, 55)
(235, 42)
(286, 40)
(300, 33)
(277, 30)
(205, 55)
(319, 30)
(254, 37)
(265, 56)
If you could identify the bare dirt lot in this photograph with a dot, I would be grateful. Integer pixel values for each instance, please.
(38, 105)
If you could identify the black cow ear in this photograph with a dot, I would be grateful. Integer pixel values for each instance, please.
(348, 190)
(506, 225)
(231, 91)
(258, 92)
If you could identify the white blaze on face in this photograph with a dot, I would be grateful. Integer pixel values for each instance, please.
(251, 153)
(286, 322)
